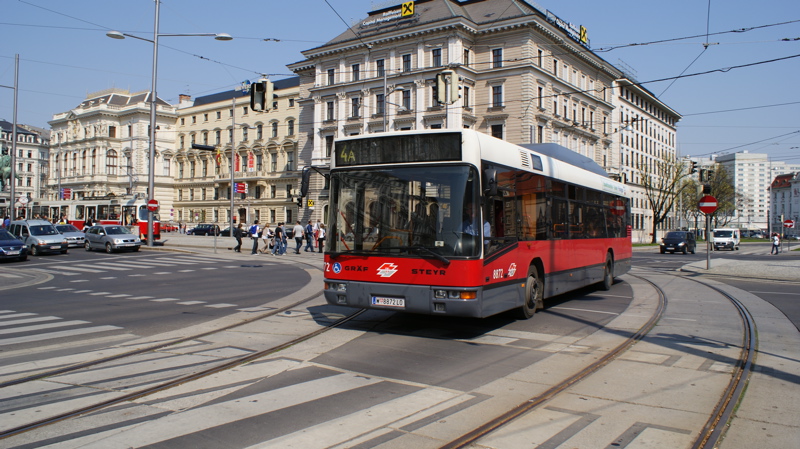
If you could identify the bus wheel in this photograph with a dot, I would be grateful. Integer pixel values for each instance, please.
(608, 273)
(533, 294)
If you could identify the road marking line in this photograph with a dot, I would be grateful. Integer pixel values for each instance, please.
(19, 330)
(55, 335)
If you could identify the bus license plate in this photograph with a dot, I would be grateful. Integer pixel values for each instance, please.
(388, 302)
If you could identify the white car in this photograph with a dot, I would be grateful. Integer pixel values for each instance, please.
(74, 236)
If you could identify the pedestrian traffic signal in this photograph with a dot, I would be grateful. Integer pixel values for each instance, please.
(261, 94)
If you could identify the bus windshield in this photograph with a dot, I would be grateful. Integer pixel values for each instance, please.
(414, 210)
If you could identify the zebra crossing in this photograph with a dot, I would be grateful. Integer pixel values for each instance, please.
(180, 263)
(17, 328)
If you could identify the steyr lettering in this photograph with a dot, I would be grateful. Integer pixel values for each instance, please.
(429, 272)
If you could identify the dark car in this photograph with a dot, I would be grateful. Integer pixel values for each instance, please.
(12, 247)
(682, 241)
(204, 229)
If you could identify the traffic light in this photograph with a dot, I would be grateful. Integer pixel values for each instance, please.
(706, 189)
(261, 94)
(694, 167)
(441, 86)
(447, 87)
(454, 88)
(709, 175)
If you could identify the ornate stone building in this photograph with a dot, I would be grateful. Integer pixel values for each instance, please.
(266, 158)
(101, 147)
(524, 75)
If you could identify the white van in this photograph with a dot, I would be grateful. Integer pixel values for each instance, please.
(726, 238)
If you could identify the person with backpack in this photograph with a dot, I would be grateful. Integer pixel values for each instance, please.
(254, 235)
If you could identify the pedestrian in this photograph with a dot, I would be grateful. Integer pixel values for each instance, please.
(298, 232)
(309, 237)
(277, 248)
(254, 235)
(267, 237)
(776, 243)
(316, 233)
(237, 234)
(6, 221)
(321, 237)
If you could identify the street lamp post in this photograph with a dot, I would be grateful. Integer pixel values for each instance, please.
(151, 180)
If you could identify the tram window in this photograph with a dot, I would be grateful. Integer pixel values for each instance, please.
(79, 213)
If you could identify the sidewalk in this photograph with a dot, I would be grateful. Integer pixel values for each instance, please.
(223, 245)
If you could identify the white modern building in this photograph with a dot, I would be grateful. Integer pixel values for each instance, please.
(752, 175)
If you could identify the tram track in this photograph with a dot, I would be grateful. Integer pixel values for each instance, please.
(711, 432)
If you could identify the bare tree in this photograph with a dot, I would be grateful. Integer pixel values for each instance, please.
(663, 181)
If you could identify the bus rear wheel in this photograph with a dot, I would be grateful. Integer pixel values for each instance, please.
(534, 292)
(608, 273)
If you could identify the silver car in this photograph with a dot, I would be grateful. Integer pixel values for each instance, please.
(111, 238)
(73, 235)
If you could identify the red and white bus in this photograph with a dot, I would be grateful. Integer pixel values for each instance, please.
(101, 210)
(460, 223)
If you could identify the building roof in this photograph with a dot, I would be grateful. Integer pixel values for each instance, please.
(8, 127)
(285, 83)
(118, 97)
(478, 12)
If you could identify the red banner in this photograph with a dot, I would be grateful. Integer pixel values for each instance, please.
(251, 161)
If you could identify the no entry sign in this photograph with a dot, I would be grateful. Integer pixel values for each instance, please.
(152, 205)
(708, 204)
(788, 224)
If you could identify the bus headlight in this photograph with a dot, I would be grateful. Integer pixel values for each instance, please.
(454, 294)
(336, 286)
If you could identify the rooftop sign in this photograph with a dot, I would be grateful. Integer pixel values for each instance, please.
(579, 34)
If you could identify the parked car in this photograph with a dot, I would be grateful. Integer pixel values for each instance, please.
(40, 236)
(12, 247)
(73, 235)
(111, 238)
(792, 237)
(204, 229)
(683, 241)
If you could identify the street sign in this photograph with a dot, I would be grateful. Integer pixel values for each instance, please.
(152, 205)
(618, 207)
(23, 200)
(788, 224)
(708, 204)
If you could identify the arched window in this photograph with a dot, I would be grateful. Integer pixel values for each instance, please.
(111, 162)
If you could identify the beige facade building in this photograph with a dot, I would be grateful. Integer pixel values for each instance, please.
(524, 75)
(265, 159)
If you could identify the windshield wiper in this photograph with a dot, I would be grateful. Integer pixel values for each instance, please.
(428, 251)
(357, 252)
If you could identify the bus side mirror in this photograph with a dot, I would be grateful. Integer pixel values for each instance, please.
(490, 181)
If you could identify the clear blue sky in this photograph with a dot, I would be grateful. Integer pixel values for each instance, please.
(64, 54)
